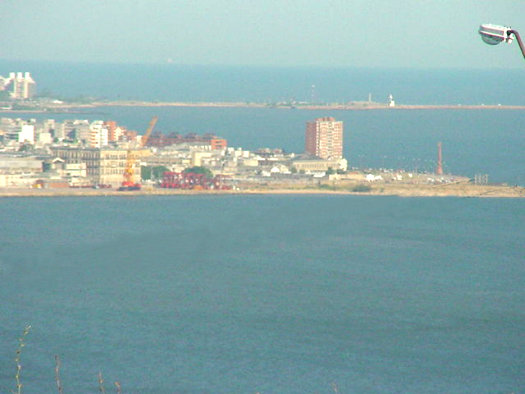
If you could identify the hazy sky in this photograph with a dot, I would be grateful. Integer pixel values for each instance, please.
(360, 33)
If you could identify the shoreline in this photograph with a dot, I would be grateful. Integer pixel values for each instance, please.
(399, 190)
(352, 106)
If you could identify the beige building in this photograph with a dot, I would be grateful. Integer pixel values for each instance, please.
(104, 166)
(319, 165)
(18, 171)
(324, 138)
(74, 173)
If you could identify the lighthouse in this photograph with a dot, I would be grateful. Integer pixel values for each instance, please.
(391, 101)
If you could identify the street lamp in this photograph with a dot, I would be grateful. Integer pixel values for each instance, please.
(494, 34)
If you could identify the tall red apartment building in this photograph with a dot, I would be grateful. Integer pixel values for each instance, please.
(324, 138)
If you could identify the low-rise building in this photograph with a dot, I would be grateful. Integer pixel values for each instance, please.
(210, 140)
(19, 171)
(319, 165)
(74, 173)
(104, 166)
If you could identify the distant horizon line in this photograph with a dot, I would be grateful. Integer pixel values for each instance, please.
(252, 66)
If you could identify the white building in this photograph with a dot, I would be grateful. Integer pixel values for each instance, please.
(98, 134)
(21, 86)
(27, 134)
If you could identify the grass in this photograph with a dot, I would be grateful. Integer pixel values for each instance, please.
(18, 361)
(21, 345)
(101, 388)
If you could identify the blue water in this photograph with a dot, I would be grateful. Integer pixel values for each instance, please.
(270, 294)
(271, 84)
(277, 294)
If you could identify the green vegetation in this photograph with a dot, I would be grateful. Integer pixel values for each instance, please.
(21, 107)
(152, 172)
(326, 186)
(335, 187)
(361, 188)
(200, 170)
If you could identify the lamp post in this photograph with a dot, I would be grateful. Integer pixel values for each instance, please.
(494, 34)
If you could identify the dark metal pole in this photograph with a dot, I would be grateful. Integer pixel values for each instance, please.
(520, 43)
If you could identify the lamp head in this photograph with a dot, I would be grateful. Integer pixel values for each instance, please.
(494, 34)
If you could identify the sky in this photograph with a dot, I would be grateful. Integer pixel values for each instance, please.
(340, 33)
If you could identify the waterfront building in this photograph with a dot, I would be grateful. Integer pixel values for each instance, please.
(17, 170)
(20, 86)
(324, 138)
(17, 163)
(104, 166)
(74, 173)
(309, 165)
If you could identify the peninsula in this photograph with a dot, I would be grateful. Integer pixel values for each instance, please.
(77, 157)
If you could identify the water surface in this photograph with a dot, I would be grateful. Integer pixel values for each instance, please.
(264, 293)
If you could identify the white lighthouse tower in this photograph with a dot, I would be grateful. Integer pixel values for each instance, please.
(391, 101)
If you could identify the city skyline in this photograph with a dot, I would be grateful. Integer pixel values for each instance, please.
(381, 33)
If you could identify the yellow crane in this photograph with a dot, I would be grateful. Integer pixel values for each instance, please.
(129, 181)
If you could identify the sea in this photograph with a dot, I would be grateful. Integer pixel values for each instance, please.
(277, 293)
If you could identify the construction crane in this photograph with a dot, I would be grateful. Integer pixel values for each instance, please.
(129, 181)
